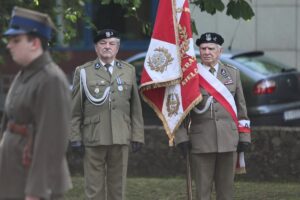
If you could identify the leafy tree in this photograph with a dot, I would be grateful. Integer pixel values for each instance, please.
(235, 8)
(73, 10)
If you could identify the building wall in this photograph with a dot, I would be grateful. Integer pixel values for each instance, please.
(275, 29)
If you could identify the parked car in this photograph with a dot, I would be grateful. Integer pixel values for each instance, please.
(271, 89)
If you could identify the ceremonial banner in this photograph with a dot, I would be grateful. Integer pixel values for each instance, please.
(170, 81)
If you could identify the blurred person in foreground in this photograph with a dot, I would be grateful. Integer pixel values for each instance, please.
(37, 114)
(219, 124)
(106, 118)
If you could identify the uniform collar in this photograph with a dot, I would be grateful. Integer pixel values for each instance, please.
(99, 63)
(102, 63)
(35, 66)
(216, 67)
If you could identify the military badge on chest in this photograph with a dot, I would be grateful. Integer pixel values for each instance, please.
(228, 79)
(120, 84)
(97, 88)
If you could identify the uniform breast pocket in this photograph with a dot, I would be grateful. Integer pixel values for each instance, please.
(97, 88)
(125, 88)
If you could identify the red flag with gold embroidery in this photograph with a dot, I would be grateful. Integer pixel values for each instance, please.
(169, 81)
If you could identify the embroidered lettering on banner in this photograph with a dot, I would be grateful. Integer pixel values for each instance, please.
(188, 63)
(189, 77)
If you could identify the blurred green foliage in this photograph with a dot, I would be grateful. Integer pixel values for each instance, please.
(73, 10)
(235, 8)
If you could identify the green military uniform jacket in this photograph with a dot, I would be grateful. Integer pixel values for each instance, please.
(119, 119)
(215, 130)
(40, 98)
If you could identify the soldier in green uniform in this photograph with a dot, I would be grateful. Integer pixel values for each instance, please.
(37, 114)
(106, 118)
(219, 124)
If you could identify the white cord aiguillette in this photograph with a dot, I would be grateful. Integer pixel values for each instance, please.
(90, 97)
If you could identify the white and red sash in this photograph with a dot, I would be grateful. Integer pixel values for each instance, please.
(220, 92)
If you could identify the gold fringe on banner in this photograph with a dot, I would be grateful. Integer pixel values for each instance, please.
(171, 134)
(152, 85)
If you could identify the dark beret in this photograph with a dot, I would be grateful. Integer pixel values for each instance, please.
(106, 33)
(210, 38)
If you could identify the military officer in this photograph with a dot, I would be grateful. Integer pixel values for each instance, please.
(37, 114)
(219, 124)
(106, 118)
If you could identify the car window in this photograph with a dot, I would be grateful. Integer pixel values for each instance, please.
(263, 64)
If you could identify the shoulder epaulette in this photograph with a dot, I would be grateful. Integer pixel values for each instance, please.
(87, 64)
(228, 65)
(124, 64)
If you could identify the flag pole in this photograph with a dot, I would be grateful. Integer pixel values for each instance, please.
(188, 162)
(188, 177)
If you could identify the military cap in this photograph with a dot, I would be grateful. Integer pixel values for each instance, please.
(25, 21)
(210, 38)
(106, 33)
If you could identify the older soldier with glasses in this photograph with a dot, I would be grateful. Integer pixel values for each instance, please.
(37, 114)
(107, 118)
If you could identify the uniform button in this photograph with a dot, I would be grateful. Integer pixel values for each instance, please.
(113, 108)
(113, 100)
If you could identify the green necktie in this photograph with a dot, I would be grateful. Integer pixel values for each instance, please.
(107, 66)
(212, 70)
